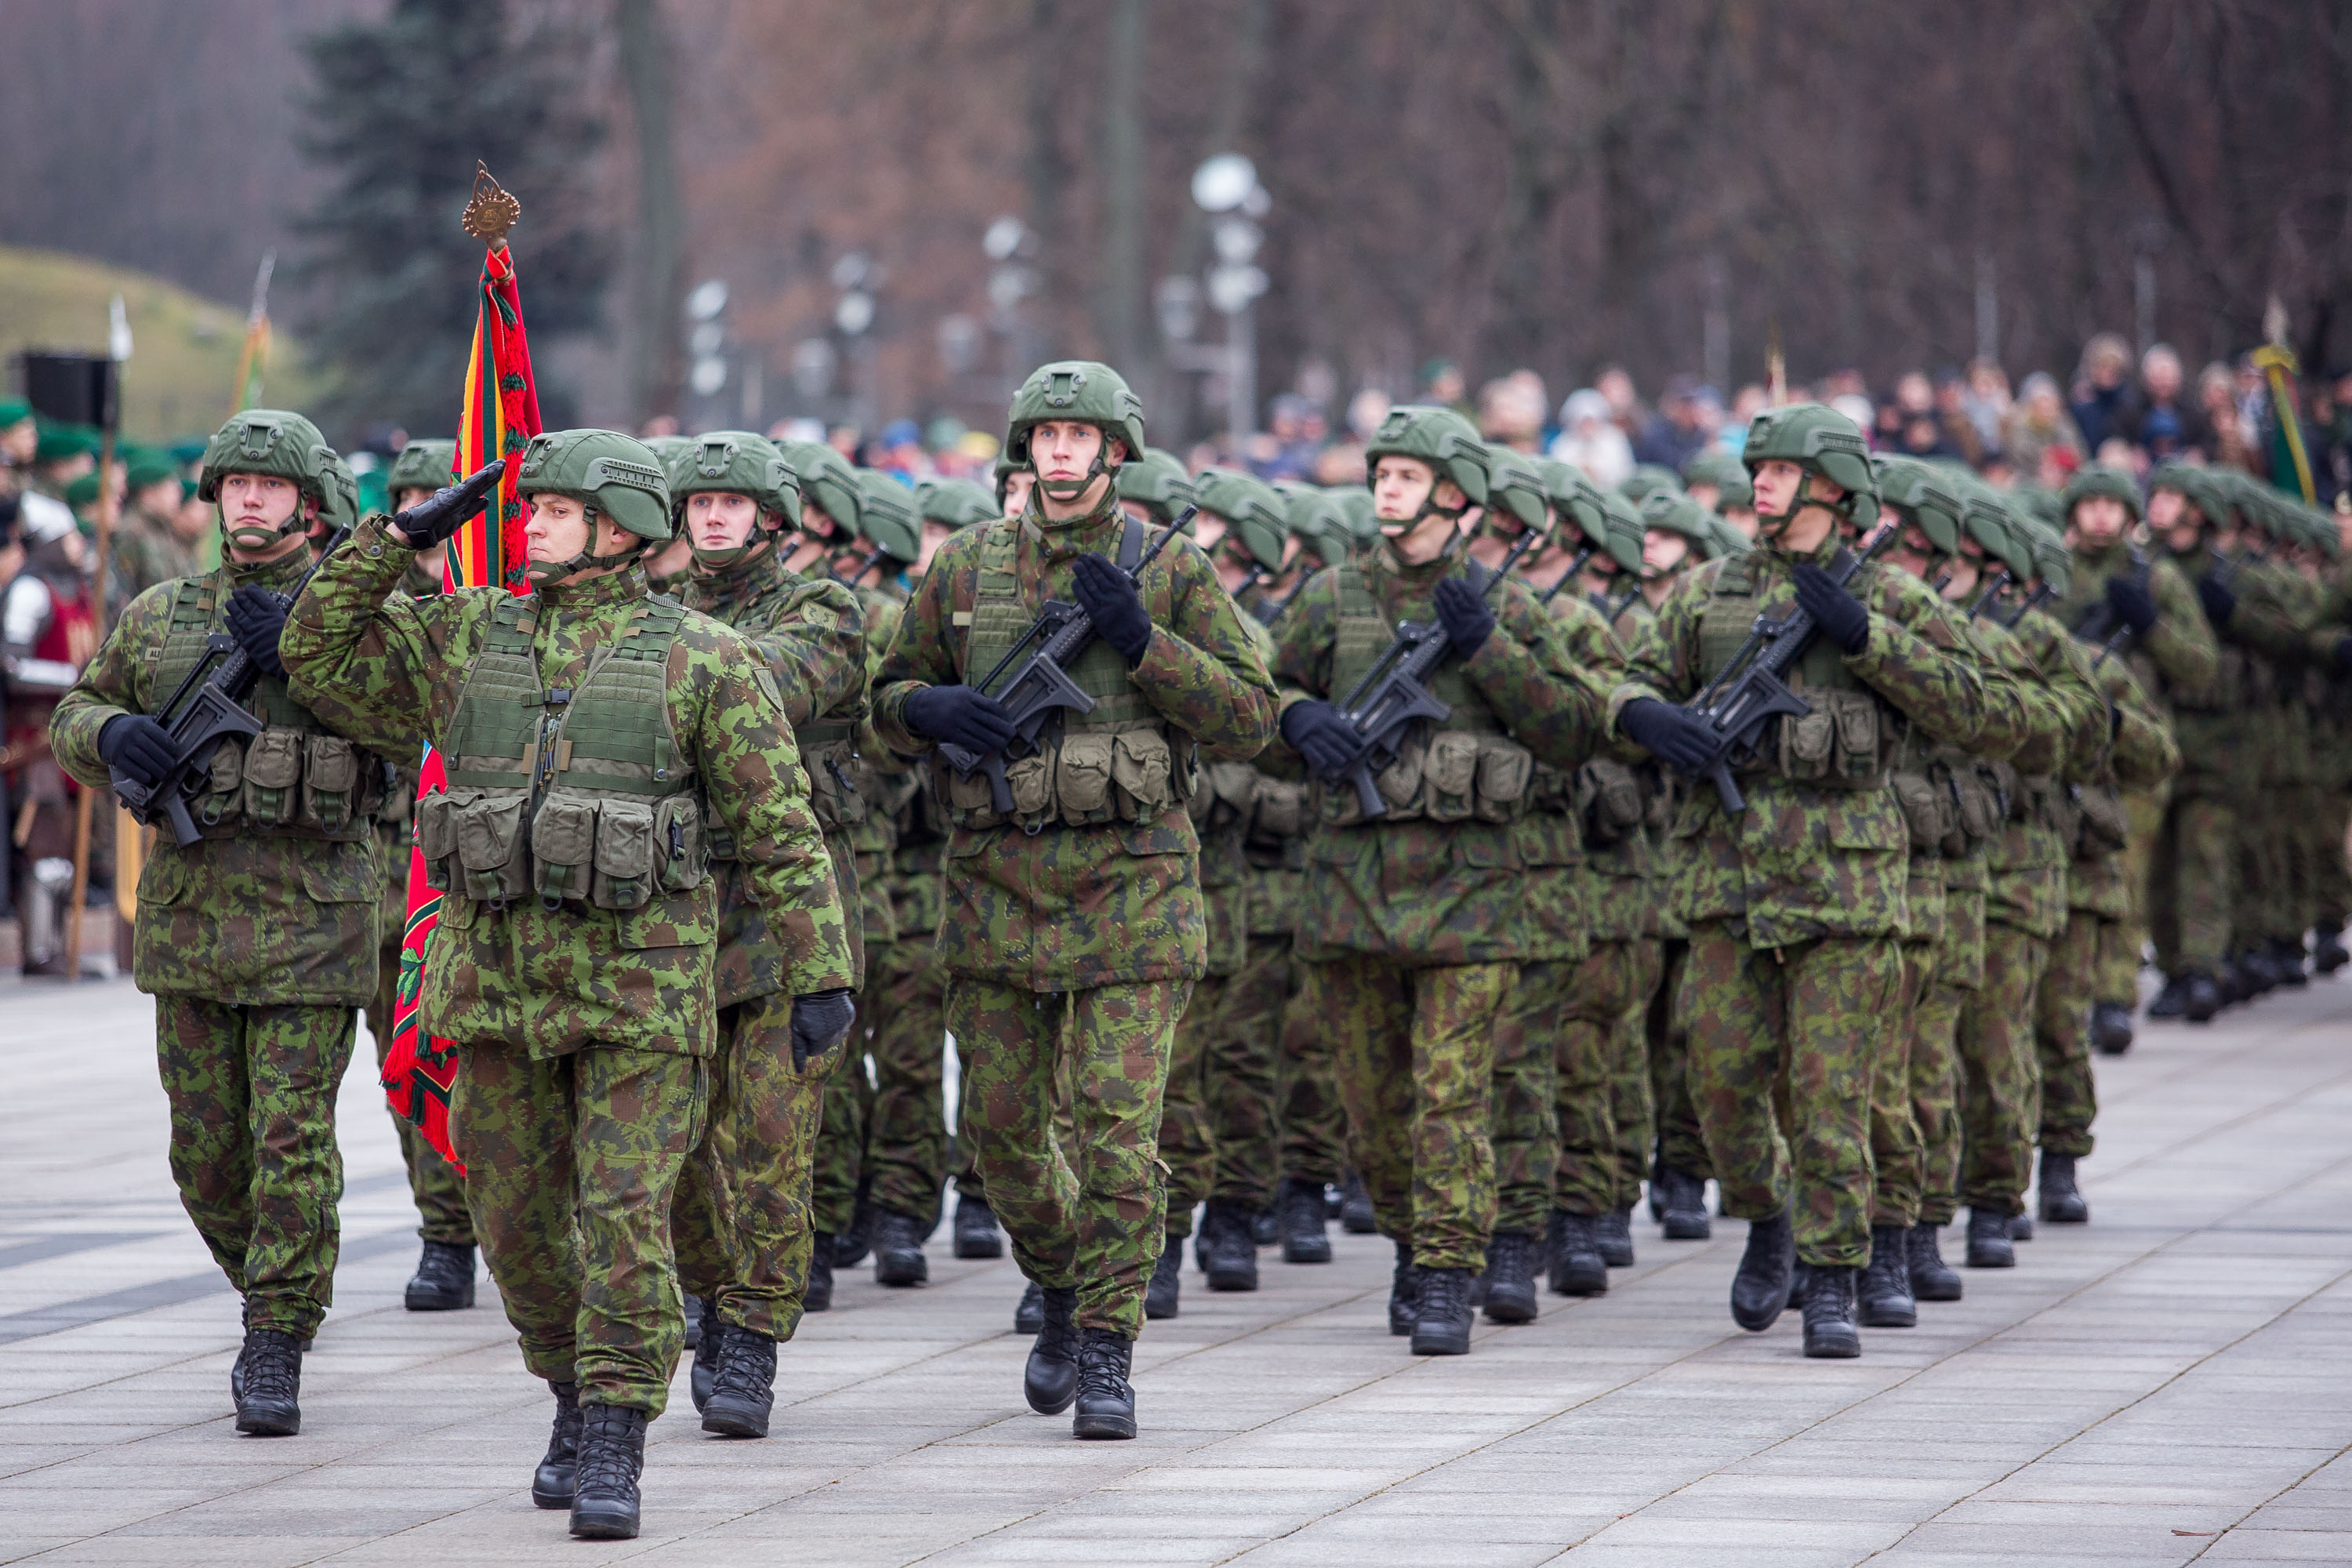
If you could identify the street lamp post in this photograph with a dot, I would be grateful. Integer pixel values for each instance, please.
(1225, 187)
(1010, 279)
(857, 276)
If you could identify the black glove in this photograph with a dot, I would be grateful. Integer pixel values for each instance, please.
(256, 618)
(819, 1021)
(1841, 616)
(446, 511)
(1107, 595)
(1669, 733)
(2219, 603)
(137, 747)
(1463, 611)
(960, 715)
(2132, 601)
(1315, 732)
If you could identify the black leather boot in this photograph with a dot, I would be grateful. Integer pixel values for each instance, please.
(2111, 1029)
(1684, 1202)
(1614, 1233)
(1226, 1247)
(269, 1389)
(1760, 1291)
(2329, 952)
(1829, 1329)
(551, 1483)
(1106, 1399)
(1051, 1379)
(2173, 1000)
(1029, 1315)
(1300, 1211)
(1932, 1278)
(1161, 1297)
(612, 1456)
(2232, 984)
(712, 1334)
(2254, 968)
(2021, 1227)
(1885, 1293)
(693, 1306)
(816, 1295)
(1404, 1291)
(2062, 1201)
(976, 1231)
(744, 1392)
(899, 1249)
(444, 1281)
(2287, 960)
(1356, 1207)
(1266, 1228)
(850, 1248)
(1510, 1278)
(2201, 999)
(1577, 1266)
(1441, 1322)
(1988, 1241)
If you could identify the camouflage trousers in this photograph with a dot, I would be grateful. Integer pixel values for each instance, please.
(252, 1091)
(1936, 1096)
(741, 1220)
(2332, 869)
(435, 1184)
(2191, 875)
(1603, 1093)
(1791, 1035)
(1416, 1070)
(1680, 1143)
(2062, 1034)
(2119, 965)
(570, 1164)
(905, 1002)
(1525, 1119)
(840, 1177)
(1999, 1073)
(1085, 1212)
(1222, 1136)
(1306, 1086)
(1898, 1153)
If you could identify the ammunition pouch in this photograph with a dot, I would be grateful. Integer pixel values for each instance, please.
(607, 851)
(1129, 772)
(1931, 814)
(1444, 776)
(292, 782)
(1609, 801)
(1838, 745)
(2104, 827)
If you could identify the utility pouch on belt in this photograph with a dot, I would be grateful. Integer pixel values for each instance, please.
(494, 863)
(331, 783)
(273, 775)
(1836, 744)
(1610, 799)
(1929, 813)
(2105, 824)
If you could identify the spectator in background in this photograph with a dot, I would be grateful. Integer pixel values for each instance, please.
(2331, 417)
(900, 451)
(2217, 396)
(2098, 397)
(1511, 411)
(1959, 432)
(1297, 431)
(2157, 416)
(1590, 439)
(1442, 384)
(1365, 411)
(1986, 400)
(1626, 410)
(2038, 421)
(1746, 404)
(1681, 426)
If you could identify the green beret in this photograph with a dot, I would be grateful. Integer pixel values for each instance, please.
(152, 469)
(83, 491)
(59, 442)
(14, 411)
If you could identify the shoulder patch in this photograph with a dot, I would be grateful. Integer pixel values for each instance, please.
(767, 679)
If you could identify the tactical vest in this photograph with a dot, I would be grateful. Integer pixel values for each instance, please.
(580, 794)
(1952, 803)
(1120, 763)
(1462, 768)
(294, 778)
(1849, 739)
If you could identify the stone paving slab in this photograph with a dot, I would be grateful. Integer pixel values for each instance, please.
(2171, 1383)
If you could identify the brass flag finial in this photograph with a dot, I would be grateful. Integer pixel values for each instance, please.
(492, 212)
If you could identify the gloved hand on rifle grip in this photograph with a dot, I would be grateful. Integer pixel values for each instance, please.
(1841, 618)
(1316, 732)
(1671, 734)
(256, 618)
(960, 715)
(138, 747)
(447, 509)
(2132, 603)
(819, 1021)
(1116, 609)
(1463, 611)
(2219, 603)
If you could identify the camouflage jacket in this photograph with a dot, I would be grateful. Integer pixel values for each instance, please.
(2176, 661)
(1806, 860)
(882, 781)
(255, 919)
(391, 673)
(2141, 756)
(810, 634)
(2027, 861)
(1072, 907)
(1435, 893)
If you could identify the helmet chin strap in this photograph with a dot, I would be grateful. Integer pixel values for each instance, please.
(554, 574)
(709, 561)
(262, 537)
(1068, 490)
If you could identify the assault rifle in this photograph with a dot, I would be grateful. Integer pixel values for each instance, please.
(1752, 690)
(1575, 569)
(873, 559)
(1041, 688)
(2105, 617)
(1272, 610)
(206, 709)
(1394, 695)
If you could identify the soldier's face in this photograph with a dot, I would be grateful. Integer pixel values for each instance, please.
(1913, 551)
(1063, 449)
(2100, 519)
(1399, 487)
(408, 496)
(253, 508)
(1706, 495)
(934, 535)
(717, 520)
(1016, 492)
(19, 441)
(1742, 518)
(1662, 549)
(1775, 486)
(558, 529)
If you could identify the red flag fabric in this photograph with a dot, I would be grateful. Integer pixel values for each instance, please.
(499, 417)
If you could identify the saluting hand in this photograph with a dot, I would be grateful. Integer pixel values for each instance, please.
(447, 509)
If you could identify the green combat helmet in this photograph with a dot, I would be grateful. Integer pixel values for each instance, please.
(1317, 520)
(1985, 517)
(1575, 497)
(341, 508)
(2050, 555)
(1256, 515)
(1728, 540)
(1820, 440)
(734, 462)
(1514, 483)
(1924, 496)
(421, 466)
(1355, 502)
(1674, 512)
(1646, 480)
(1447, 442)
(272, 441)
(1083, 390)
(828, 483)
(2099, 479)
(957, 503)
(1622, 532)
(1711, 465)
(2193, 484)
(1003, 469)
(614, 475)
(888, 517)
(1156, 482)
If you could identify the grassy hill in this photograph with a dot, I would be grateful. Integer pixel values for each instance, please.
(184, 347)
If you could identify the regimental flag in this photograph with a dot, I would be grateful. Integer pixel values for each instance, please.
(499, 417)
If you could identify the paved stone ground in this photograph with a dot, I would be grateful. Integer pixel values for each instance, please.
(2171, 1383)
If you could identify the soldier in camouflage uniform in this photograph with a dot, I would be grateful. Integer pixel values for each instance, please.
(575, 964)
(1073, 928)
(257, 939)
(1797, 904)
(739, 1221)
(1413, 915)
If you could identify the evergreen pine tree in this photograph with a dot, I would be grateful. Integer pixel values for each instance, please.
(400, 110)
